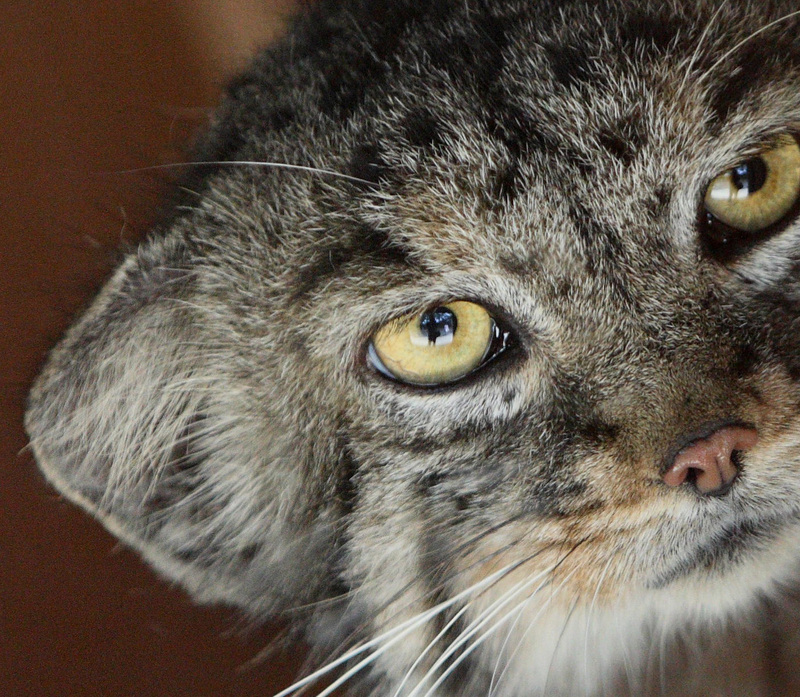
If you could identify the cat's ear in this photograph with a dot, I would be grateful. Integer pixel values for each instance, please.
(132, 418)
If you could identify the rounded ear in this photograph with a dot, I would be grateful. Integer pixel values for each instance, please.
(133, 419)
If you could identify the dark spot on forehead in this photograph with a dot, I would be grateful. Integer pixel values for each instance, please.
(617, 145)
(657, 204)
(353, 55)
(514, 127)
(601, 244)
(733, 86)
(366, 163)
(516, 265)
(506, 184)
(564, 289)
(746, 361)
(624, 139)
(422, 129)
(571, 64)
(793, 367)
(473, 55)
(280, 117)
(773, 53)
(580, 162)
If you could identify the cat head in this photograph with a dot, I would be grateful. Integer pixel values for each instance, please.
(492, 271)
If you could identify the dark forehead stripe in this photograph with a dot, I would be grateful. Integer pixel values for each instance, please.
(736, 84)
(751, 65)
(600, 242)
(654, 32)
(371, 244)
(360, 51)
(573, 60)
(474, 54)
(571, 64)
(602, 249)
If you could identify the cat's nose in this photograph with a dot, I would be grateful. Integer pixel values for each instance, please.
(711, 463)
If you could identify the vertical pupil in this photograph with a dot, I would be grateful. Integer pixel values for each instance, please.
(750, 176)
(438, 323)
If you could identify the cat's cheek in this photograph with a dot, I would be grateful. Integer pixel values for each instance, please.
(481, 402)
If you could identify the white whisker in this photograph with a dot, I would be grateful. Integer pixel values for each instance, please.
(474, 628)
(531, 626)
(700, 43)
(484, 618)
(500, 653)
(428, 648)
(246, 163)
(464, 570)
(572, 608)
(733, 50)
(393, 636)
(589, 615)
(627, 664)
(489, 632)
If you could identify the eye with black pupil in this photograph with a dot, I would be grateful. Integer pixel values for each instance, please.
(437, 346)
(437, 324)
(750, 176)
(752, 200)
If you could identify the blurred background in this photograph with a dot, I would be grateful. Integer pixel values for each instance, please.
(90, 89)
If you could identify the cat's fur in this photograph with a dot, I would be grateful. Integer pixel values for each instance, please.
(214, 407)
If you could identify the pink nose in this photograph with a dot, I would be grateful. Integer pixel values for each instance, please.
(710, 463)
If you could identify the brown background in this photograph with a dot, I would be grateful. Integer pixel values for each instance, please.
(89, 88)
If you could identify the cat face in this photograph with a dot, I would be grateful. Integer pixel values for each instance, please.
(503, 347)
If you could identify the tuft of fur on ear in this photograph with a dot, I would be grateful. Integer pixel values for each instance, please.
(134, 419)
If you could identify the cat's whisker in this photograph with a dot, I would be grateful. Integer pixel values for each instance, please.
(456, 551)
(589, 615)
(394, 635)
(744, 41)
(246, 163)
(662, 662)
(432, 591)
(696, 55)
(625, 654)
(495, 683)
(567, 619)
(476, 626)
(484, 618)
(401, 631)
(495, 679)
(429, 647)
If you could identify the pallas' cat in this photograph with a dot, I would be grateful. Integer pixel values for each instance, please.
(474, 349)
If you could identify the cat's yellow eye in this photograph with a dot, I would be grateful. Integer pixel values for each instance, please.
(760, 191)
(436, 347)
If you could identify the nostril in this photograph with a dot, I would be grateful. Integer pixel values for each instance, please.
(717, 480)
(712, 463)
